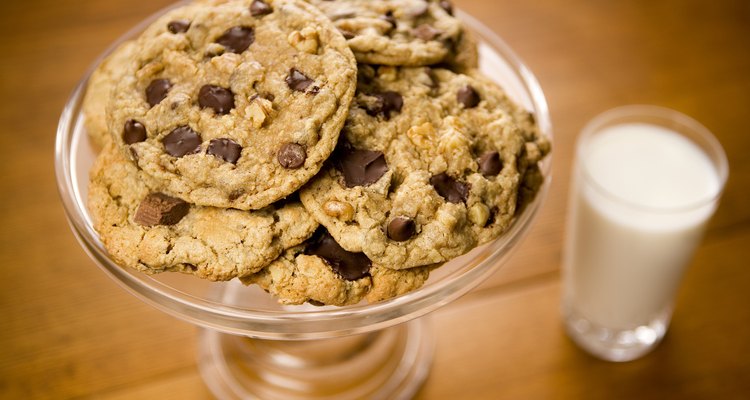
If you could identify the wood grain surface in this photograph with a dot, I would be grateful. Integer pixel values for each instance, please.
(68, 331)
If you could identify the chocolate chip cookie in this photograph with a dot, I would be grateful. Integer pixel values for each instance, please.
(430, 164)
(153, 232)
(323, 273)
(402, 32)
(102, 80)
(234, 104)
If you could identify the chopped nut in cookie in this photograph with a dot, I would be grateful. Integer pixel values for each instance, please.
(338, 209)
(305, 40)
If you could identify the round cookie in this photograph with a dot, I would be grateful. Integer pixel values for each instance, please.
(322, 273)
(153, 232)
(401, 32)
(235, 104)
(429, 166)
(100, 84)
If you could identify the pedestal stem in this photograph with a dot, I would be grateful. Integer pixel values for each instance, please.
(388, 364)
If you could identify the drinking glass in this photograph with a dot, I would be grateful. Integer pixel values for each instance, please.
(646, 180)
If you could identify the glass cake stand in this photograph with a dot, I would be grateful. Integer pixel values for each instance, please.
(252, 347)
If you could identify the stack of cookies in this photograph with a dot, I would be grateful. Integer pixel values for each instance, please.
(327, 151)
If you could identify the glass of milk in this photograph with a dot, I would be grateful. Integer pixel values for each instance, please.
(646, 181)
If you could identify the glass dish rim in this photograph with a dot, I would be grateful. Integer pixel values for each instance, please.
(234, 319)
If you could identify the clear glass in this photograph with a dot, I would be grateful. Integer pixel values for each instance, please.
(245, 327)
(623, 261)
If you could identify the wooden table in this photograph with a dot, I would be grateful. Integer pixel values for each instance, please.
(67, 331)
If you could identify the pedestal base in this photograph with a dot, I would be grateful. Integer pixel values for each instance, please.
(389, 364)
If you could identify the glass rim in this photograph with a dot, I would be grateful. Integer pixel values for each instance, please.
(236, 319)
(647, 114)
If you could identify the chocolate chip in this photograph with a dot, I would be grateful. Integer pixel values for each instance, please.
(347, 34)
(348, 265)
(182, 141)
(297, 80)
(226, 149)
(447, 6)
(425, 32)
(387, 103)
(449, 188)
(237, 39)
(178, 26)
(259, 8)
(216, 97)
(291, 156)
(360, 167)
(401, 229)
(490, 163)
(468, 96)
(160, 209)
(134, 132)
(157, 90)
(388, 17)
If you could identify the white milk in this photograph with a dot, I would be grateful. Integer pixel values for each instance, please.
(638, 211)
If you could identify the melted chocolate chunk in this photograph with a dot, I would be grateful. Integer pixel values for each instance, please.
(157, 90)
(226, 149)
(387, 102)
(490, 163)
(449, 188)
(237, 39)
(401, 229)
(259, 8)
(133, 132)
(297, 80)
(468, 96)
(348, 265)
(426, 32)
(447, 6)
(216, 97)
(292, 156)
(160, 209)
(178, 26)
(182, 141)
(360, 167)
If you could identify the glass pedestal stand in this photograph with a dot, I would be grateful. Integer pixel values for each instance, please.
(389, 363)
(251, 347)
